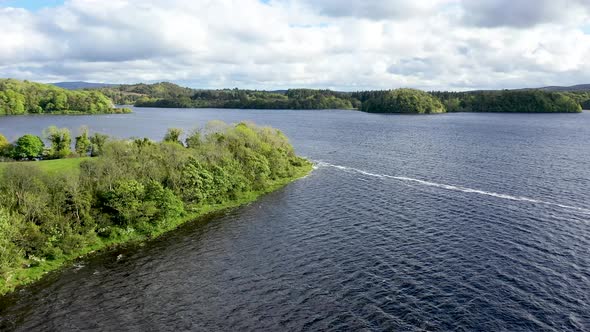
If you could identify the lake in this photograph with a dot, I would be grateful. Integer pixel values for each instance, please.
(445, 222)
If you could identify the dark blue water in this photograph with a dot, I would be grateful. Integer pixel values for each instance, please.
(446, 222)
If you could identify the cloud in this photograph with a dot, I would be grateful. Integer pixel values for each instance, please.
(375, 9)
(347, 45)
(524, 13)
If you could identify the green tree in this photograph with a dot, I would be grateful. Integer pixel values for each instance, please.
(10, 253)
(173, 135)
(59, 100)
(125, 201)
(4, 146)
(136, 187)
(196, 181)
(28, 147)
(83, 144)
(97, 142)
(21, 97)
(167, 205)
(61, 141)
(142, 143)
(13, 102)
(404, 101)
(194, 140)
(522, 101)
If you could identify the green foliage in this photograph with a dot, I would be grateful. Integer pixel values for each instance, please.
(171, 95)
(197, 182)
(125, 201)
(4, 146)
(403, 101)
(194, 139)
(61, 141)
(397, 101)
(173, 135)
(414, 101)
(97, 143)
(51, 210)
(581, 97)
(522, 101)
(24, 97)
(11, 102)
(10, 252)
(3, 141)
(83, 144)
(28, 147)
(163, 202)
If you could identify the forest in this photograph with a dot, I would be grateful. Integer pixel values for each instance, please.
(24, 97)
(581, 97)
(519, 101)
(52, 211)
(380, 101)
(170, 95)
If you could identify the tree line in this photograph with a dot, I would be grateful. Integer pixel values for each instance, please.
(24, 97)
(521, 101)
(382, 101)
(32, 147)
(134, 187)
(581, 97)
(168, 95)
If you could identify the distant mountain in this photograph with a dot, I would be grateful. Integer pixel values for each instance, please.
(82, 85)
(573, 88)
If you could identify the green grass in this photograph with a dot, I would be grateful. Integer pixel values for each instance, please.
(51, 166)
(61, 165)
(38, 268)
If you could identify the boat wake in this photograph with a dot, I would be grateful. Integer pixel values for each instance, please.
(451, 187)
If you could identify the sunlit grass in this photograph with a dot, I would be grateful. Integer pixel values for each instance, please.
(71, 165)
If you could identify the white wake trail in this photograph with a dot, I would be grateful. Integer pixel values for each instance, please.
(451, 187)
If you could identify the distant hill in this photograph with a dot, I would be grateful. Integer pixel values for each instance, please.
(82, 85)
(573, 88)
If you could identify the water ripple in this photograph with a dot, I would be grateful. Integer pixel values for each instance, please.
(451, 187)
(458, 222)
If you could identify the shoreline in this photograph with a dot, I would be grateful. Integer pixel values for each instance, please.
(350, 109)
(123, 110)
(27, 275)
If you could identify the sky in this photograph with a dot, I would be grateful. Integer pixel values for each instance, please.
(275, 44)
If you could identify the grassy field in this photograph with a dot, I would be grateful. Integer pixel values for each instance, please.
(51, 166)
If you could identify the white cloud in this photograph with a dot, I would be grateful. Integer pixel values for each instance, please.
(442, 44)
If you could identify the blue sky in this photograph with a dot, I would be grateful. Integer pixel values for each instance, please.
(277, 44)
(32, 5)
